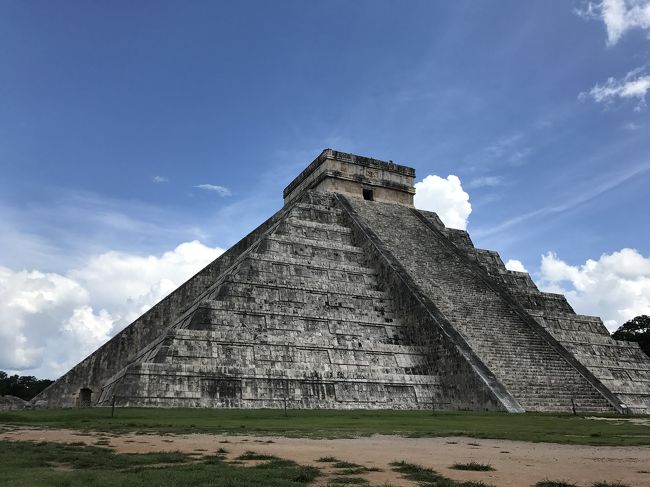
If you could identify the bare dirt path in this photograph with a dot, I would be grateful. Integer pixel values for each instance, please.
(517, 463)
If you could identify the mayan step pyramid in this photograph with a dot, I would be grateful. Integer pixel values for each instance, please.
(349, 297)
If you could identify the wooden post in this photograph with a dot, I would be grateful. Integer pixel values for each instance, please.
(286, 393)
(113, 406)
(573, 407)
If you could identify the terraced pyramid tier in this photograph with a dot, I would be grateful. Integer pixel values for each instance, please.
(300, 319)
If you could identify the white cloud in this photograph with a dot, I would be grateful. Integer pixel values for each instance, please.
(160, 179)
(515, 265)
(88, 328)
(49, 321)
(615, 287)
(619, 16)
(485, 181)
(595, 187)
(631, 126)
(445, 197)
(32, 304)
(220, 190)
(504, 144)
(509, 150)
(634, 85)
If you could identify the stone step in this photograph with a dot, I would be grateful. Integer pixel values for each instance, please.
(317, 213)
(282, 247)
(368, 371)
(287, 325)
(298, 242)
(296, 222)
(322, 233)
(258, 284)
(313, 263)
(317, 300)
(291, 340)
(306, 312)
(334, 374)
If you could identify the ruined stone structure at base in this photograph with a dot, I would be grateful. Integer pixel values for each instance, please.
(349, 297)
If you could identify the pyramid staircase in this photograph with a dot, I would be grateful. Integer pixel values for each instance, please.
(516, 351)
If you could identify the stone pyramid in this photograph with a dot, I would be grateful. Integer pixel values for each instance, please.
(349, 297)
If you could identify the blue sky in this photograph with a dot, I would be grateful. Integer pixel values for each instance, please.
(112, 114)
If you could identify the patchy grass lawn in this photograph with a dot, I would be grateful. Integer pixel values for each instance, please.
(53, 464)
(556, 428)
(427, 477)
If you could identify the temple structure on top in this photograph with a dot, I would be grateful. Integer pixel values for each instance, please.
(356, 176)
(349, 297)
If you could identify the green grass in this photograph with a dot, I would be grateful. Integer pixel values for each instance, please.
(557, 428)
(50, 464)
(328, 459)
(474, 466)
(427, 477)
(251, 455)
(561, 483)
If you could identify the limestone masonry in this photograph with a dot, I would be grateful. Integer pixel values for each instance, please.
(349, 297)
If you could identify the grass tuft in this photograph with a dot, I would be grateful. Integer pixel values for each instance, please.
(251, 455)
(328, 459)
(341, 464)
(609, 484)
(554, 483)
(427, 477)
(474, 466)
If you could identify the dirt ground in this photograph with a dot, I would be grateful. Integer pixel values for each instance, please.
(517, 463)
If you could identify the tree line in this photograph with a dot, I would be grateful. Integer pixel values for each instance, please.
(23, 386)
(636, 330)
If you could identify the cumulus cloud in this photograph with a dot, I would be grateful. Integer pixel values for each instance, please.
(515, 265)
(615, 287)
(445, 197)
(32, 304)
(619, 16)
(160, 179)
(50, 321)
(634, 85)
(220, 190)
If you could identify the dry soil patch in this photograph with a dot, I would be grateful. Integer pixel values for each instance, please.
(517, 463)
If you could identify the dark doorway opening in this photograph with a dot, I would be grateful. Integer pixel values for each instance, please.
(367, 194)
(85, 397)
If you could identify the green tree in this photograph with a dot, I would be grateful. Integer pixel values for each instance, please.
(25, 386)
(636, 330)
(3, 383)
